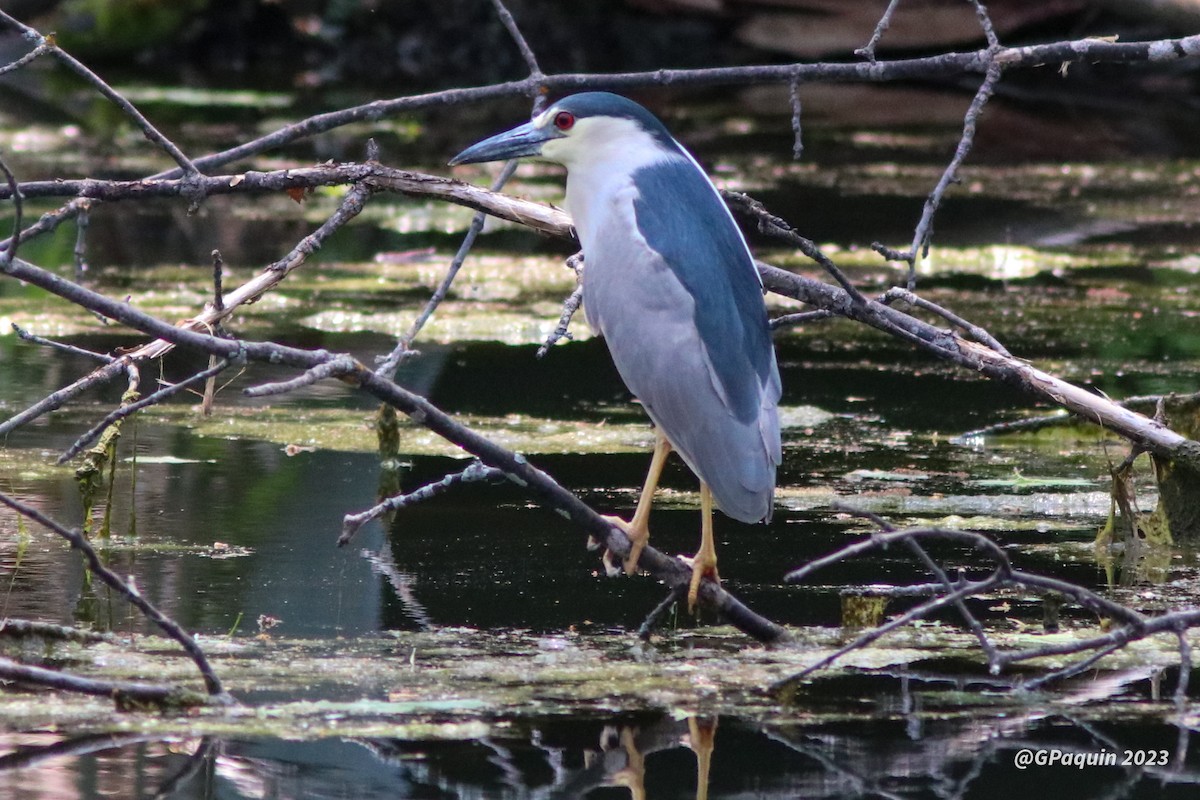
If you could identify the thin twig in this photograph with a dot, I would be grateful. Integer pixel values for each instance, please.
(474, 473)
(33, 338)
(973, 623)
(82, 220)
(1148, 401)
(801, 318)
(403, 348)
(42, 49)
(974, 331)
(1185, 671)
(1131, 625)
(916, 612)
(797, 137)
(570, 306)
(335, 368)
(774, 226)
(1071, 669)
(152, 133)
(14, 241)
(510, 25)
(924, 230)
(867, 51)
(985, 22)
(1052, 419)
(125, 410)
(59, 398)
(654, 618)
(878, 541)
(171, 628)
(218, 274)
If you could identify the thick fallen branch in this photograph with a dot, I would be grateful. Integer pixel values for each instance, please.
(367, 178)
(22, 628)
(516, 468)
(126, 694)
(1095, 408)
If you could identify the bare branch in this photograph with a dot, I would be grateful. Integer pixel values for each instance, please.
(126, 694)
(1128, 624)
(337, 367)
(656, 615)
(1092, 50)
(132, 408)
(797, 138)
(510, 25)
(671, 571)
(973, 623)
(924, 231)
(1071, 669)
(867, 51)
(983, 360)
(792, 320)
(974, 331)
(115, 97)
(403, 348)
(57, 399)
(985, 22)
(1185, 670)
(171, 628)
(774, 226)
(570, 306)
(82, 219)
(921, 611)
(975, 357)
(66, 348)
(474, 473)
(14, 241)
(40, 50)
(218, 276)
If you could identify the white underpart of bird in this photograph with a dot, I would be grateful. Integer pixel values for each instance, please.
(670, 284)
(633, 296)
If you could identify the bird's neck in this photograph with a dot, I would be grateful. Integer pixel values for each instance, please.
(606, 175)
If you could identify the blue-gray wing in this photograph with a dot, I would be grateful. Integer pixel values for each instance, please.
(680, 303)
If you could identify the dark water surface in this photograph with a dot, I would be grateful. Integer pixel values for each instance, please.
(230, 534)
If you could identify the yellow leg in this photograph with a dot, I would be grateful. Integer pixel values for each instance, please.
(701, 736)
(705, 560)
(638, 528)
(633, 776)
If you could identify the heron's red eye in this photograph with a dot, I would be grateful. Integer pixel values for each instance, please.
(564, 120)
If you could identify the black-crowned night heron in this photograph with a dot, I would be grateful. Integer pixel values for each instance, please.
(669, 283)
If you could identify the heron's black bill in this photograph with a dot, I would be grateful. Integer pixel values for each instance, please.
(526, 140)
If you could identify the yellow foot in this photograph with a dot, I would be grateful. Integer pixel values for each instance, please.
(637, 538)
(700, 567)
